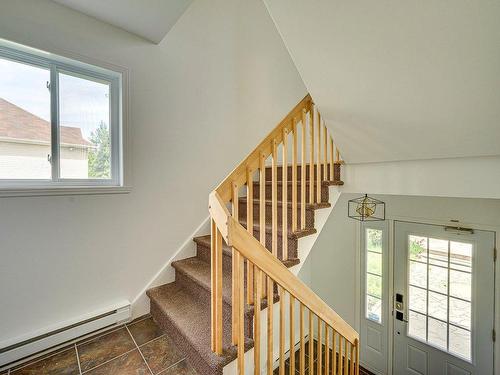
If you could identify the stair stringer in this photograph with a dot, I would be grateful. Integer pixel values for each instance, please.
(305, 246)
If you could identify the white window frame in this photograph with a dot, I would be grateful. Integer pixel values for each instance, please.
(57, 185)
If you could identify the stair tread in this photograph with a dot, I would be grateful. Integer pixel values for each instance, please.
(280, 183)
(192, 319)
(269, 229)
(199, 271)
(309, 206)
(206, 241)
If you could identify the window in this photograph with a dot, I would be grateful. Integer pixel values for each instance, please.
(440, 290)
(374, 269)
(60, 121)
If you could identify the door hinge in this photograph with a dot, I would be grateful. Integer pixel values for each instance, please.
(495, 254)
(494, 335)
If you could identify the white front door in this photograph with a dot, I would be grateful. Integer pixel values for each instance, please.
(443, 301)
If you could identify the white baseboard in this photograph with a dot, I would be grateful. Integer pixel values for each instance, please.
(21, 347)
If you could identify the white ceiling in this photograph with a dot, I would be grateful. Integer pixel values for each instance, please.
(150, 19)
(400, 80)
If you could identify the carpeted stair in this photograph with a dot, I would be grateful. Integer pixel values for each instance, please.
(182, 308)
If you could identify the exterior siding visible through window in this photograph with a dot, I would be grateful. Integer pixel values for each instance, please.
(60, 121)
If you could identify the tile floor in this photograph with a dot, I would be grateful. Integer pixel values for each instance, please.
(136, 348)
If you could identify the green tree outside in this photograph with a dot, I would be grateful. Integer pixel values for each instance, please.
(100, 156)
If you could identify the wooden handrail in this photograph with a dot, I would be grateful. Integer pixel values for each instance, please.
(261, 265)
(265, 147)
(253, 250)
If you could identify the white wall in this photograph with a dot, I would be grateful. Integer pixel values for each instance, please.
(335, 256)
(457, 177)
(199, 101)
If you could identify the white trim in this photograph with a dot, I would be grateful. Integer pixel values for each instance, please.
(62, 190)
(120, 313)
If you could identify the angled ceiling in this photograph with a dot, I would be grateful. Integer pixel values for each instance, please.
(400, 80)
(150, 19)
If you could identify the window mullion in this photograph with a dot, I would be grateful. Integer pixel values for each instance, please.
(54, 122)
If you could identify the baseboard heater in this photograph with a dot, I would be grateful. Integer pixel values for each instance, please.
(24, 347)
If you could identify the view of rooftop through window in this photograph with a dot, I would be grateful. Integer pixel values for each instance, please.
(25, 124)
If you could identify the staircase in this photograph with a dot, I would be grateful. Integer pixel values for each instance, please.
(212, 310)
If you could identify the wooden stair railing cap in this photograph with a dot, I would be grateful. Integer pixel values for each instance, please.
(253, 250)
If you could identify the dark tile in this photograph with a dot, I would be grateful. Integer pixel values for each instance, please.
(142, 317)
(160, 354)
(130, 363)
(181, 368)
(104, 348)
(62, 363)
(144, 331)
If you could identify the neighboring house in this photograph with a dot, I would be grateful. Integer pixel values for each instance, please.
(25, 146)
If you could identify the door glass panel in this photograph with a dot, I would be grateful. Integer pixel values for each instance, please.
(25, 125)
(374, 240)
(374, 263)
(374, 308)
(418, 248)
(437, 333)
(438, 279)
(460, 284)
(460, 312)
(418, 299)
(418, 274)
(85, 145)
(440, 291)
(460, 342)
(373, 273)
(438, 252)
(417, 325)
(438, 307)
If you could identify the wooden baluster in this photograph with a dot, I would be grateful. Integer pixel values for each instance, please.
(331, 159)
(250, 230)
(284, 196)
(311, 155)
(311, 342)
(256, 319)
(216, 289)
(327, 350)
(318, 164)
(341, 359)
(334, 352)
(274, 198)
(262, 209)
(241, 315)
(356, 342)
(325, 153)
(320, 346)
(302, 364)
(346, 357)
(303, 169)
(270, 301)
(235, 272)
(352, 360)
(292, 335)
(282, 331)
(294, 176)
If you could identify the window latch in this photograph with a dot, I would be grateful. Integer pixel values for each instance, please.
(48, 85)
(49, 158)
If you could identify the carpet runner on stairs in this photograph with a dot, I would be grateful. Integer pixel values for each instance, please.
(182, 308)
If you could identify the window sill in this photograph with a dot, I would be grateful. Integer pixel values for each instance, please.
(38, 191)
